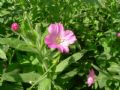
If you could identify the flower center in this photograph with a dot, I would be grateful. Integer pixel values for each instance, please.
(58, 40)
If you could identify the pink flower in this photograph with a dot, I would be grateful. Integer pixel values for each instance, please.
(118, 34)
(91, 77)
(59, 38)
(14, 26)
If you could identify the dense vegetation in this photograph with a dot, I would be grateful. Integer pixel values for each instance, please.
(27, 63)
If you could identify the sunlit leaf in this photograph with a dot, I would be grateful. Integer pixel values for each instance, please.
(14, 76)
(72, 59)
(45, 84)
(114, 67)
(18, 44)
(2, 54)
(3, 12)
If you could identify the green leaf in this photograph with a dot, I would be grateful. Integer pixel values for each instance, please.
(102, 79)
(45, 84)
(57, 87)
(70, 74)
(114, 67)
(2, 54)
(102, 2)
(29, 77)
(4, 12)
(72, 59)
(107, 48)
(14, 76)
(18, 44)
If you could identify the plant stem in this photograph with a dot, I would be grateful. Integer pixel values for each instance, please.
(42, 77)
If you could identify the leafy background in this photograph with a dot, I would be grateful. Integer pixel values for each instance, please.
(22, 54)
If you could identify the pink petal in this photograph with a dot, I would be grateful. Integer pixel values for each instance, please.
(65, 43)
(60, 48)
(92, 73)
(50, 41)
(90, 81)
(66, 49)
(63, 49)
(61, 29)
(69, 37)
(56, 29)
(52, 45)
(91, 77)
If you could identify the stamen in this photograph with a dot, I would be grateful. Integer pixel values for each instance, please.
(58, 40)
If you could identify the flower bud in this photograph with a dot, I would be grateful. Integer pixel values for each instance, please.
(15, 26)
(91, 77)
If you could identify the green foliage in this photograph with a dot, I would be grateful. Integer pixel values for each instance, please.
(17, 44)
(26, 63)
(72, 59)
(45, 84)
(2, 54)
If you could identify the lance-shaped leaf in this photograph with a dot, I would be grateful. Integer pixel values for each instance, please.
(14, 76)
(72, 59)
(18, 44)
(2, 54)
(45, 84)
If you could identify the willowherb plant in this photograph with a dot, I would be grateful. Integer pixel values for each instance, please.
(44, 55)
